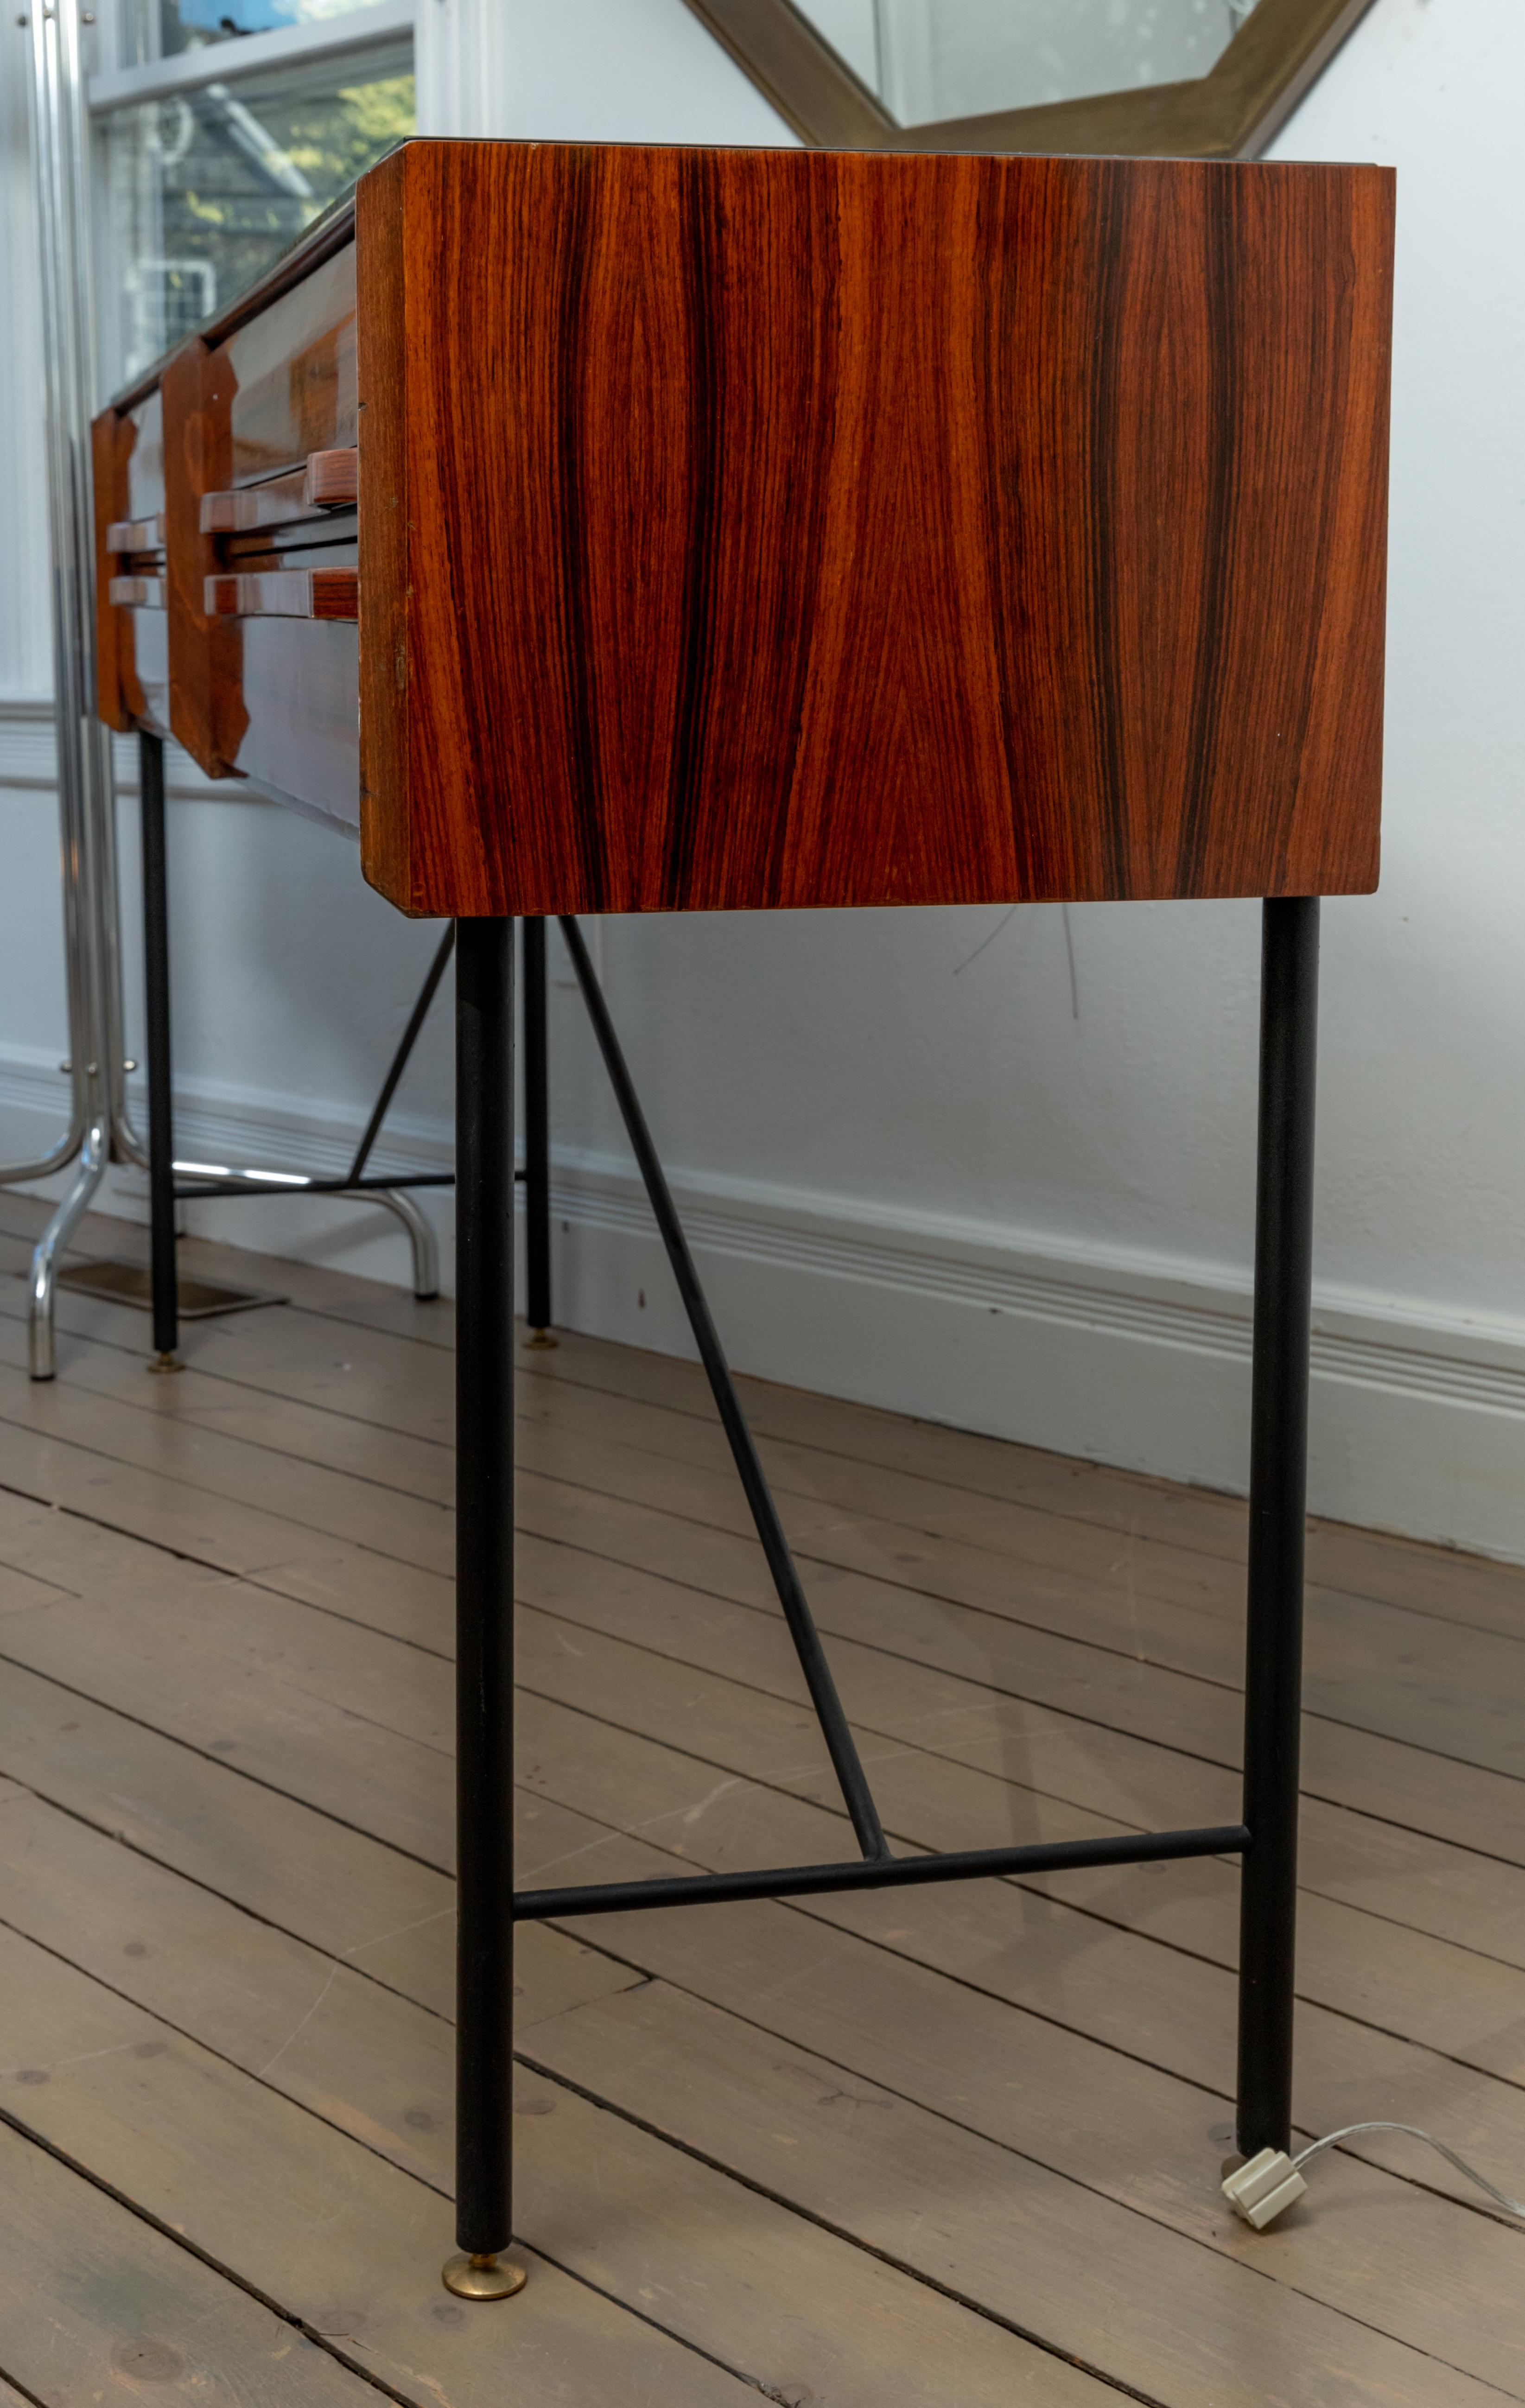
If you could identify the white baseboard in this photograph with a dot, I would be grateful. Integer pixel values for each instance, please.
(29, 761)
(1418, 1416)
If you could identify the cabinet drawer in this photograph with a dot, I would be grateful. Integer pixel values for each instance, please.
(289, 375)
(299, 681)
(260, 515)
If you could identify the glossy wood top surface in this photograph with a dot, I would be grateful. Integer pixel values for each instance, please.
(750, 529)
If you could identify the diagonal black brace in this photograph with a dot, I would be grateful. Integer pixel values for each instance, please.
(846, 1761)
(399, 1061)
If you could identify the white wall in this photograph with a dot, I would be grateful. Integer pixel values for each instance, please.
(1013, 1186)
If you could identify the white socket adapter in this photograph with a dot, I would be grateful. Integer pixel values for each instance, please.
(1262, 2186)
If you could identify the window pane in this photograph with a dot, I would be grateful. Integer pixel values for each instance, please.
(201, 192)
(932, 59)
(159, 28)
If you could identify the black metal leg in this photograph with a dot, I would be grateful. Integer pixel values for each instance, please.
(151, 787)
(537, 1142)
(485, 1605)
(1278, 1496)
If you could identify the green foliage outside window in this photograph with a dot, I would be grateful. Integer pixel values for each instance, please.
(204, 192)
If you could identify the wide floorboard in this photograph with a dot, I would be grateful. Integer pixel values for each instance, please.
(959, 2145)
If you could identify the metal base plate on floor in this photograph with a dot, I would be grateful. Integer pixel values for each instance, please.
(132, 1283)
(483, 2278)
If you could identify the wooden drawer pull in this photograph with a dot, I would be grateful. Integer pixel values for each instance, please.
(136, 593)
(333, 479)
(135, 535)
(329, 481)
(284, 593)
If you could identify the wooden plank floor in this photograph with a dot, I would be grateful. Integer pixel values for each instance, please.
(955, 2145)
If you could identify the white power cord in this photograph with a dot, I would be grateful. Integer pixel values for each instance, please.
(1265, 2184)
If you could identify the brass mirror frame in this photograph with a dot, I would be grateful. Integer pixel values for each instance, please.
(1231, 112)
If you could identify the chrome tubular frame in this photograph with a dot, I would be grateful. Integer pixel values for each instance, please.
(98, 1125)
(100, 1129)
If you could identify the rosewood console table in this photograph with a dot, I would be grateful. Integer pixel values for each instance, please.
(611, 529)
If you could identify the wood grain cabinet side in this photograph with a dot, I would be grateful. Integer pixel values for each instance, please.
(132, 622)
(742, 529)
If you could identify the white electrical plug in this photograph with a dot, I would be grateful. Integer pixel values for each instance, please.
(1264, 2186)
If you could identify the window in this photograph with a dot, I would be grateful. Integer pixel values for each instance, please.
(155, 29)
(231, 126)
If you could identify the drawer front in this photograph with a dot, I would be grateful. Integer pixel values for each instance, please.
(145, 492)
(301, 693)
(132, 622)
(296, 610)
(291, 374)
(261, 521)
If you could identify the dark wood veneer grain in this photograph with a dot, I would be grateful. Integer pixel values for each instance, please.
(207, 711)
(756, 529)
(111, 438)
(131, 653)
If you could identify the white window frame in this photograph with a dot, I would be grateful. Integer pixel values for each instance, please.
(113, 86)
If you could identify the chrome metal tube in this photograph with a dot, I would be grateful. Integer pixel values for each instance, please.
(421, 1237)
(51, 1244)
(56, 115)
(225, 1181)
(16, 1173)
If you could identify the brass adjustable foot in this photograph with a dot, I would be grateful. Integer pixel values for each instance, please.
(166, 1363)
(488, 2277)
(538, 1338)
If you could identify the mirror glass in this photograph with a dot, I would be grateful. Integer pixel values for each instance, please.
(933, 59)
